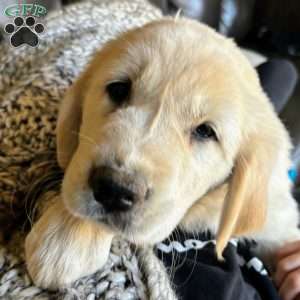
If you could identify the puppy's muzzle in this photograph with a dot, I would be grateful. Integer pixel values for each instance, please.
(115, 190)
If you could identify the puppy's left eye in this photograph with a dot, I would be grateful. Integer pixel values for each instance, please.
(204, 132)
(119, 91)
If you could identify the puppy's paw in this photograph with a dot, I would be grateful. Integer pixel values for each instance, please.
(62, 248)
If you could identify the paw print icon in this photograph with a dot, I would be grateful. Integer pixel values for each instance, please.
(24, 31)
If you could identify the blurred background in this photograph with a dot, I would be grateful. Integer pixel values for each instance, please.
(269, 28)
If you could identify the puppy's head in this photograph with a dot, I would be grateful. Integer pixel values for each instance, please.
(163, 115)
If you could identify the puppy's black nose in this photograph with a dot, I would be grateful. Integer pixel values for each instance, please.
(113, 196)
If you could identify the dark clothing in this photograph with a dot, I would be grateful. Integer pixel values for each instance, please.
(197, 274)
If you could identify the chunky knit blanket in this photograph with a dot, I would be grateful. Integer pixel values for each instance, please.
(32, 84)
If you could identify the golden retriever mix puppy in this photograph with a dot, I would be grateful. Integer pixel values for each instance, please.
(167, 126)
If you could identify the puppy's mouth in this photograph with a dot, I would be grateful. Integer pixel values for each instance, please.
(122, 223)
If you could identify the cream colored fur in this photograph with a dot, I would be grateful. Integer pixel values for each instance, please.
(184, 74)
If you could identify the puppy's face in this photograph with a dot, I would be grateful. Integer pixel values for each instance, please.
(153, 125)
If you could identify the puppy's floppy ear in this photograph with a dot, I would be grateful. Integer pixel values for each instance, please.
(69, 121)
(245, 205)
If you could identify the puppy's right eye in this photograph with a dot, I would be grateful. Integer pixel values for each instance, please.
(119, 91)
(204, 132)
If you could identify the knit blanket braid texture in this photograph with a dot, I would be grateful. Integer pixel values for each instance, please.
(32, 84)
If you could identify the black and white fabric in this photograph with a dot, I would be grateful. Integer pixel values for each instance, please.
(196, 273)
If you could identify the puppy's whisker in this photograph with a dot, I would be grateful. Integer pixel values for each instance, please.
(185, 256)
(194, 260)
(49, 182)
(176, 231)
(173, 255)
(176, 255)
(87, 138)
